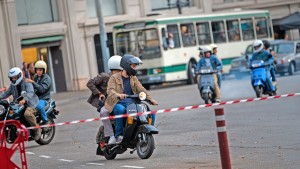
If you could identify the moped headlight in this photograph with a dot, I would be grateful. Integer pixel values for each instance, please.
(2, 109)
(142, 96)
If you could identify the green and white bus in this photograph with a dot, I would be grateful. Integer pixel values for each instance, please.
(146, 38)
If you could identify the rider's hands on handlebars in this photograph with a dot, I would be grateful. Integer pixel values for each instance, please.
(153, 102)
(22, 102)
(101, 96)
(122, 96)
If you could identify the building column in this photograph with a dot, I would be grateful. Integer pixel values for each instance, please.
(73, 47)
(10, 46)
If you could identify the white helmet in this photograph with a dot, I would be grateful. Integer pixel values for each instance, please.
(206, 49)
(258, 46)
(15, 72)
(212, 46)
(114, 63)
(40, 65)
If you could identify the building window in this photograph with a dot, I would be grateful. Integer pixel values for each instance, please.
(110, 8)
(34, 12)
(168, 4)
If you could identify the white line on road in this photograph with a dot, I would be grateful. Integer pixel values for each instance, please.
(94, 164)
(29, 152)
(66, 160)
(129, 166)
(44, 156)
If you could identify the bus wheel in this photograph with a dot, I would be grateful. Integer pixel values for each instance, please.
(191, 72)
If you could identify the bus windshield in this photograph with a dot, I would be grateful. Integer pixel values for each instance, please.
(141, 43)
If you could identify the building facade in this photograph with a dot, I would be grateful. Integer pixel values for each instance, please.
(65, 33)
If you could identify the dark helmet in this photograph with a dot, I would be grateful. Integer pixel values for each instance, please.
(267, 44)
(127, 60)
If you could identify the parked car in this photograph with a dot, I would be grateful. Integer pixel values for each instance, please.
(288, 53)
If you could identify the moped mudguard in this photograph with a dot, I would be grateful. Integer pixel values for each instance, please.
(146, 128)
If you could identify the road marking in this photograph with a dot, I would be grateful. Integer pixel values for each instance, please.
(94, 164)
(66, 160)
(29, 152)
(129, 166)
(44, 156)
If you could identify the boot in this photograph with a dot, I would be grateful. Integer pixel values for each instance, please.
(37, 134)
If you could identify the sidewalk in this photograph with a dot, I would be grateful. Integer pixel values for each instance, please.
(67, 97)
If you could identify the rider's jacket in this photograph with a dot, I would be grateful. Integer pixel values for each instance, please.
(263, 55)
(97, 85)
(42, 85)
(214, 61)
(115, 87)
(31, 98)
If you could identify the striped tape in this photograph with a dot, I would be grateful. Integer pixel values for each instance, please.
(170, 110)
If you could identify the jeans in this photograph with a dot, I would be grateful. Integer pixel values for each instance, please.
(219, 75)
(119, 109)
(272, 71)
(41, 109)
(153, 117)
(269, 82)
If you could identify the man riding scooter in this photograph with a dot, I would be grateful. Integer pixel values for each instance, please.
(210, 60)
(119, 86)
(260, 54)
(18, 85)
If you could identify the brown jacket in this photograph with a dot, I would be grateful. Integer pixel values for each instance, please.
(97, 85)
(115, 87)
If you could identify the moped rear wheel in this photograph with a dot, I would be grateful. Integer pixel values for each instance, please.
(145, 147)
(258, 91)
(109, 155)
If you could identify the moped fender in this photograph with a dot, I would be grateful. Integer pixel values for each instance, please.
(206, 90)
(258, 83)
(146, 128)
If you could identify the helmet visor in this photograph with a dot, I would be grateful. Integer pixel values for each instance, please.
(135, 60)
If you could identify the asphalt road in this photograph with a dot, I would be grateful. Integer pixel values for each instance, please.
(262, 134)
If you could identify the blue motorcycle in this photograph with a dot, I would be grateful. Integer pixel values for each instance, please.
(259, 76)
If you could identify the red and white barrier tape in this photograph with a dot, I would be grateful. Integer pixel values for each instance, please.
(169, 110)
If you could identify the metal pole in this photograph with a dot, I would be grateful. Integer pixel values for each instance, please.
(103, 36)
(223, 140)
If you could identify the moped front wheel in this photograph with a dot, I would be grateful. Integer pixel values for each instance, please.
(145, 146)
(206, 98)
(47, 134)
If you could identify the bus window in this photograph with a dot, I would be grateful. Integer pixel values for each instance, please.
(173, 29)
(233, 30)
(247, 29)
(143, 43)
(218, 31)
(261, 28)
(203, 33)
(164, 39)
(188, 34)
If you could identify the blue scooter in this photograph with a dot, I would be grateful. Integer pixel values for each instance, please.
(259, 75)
